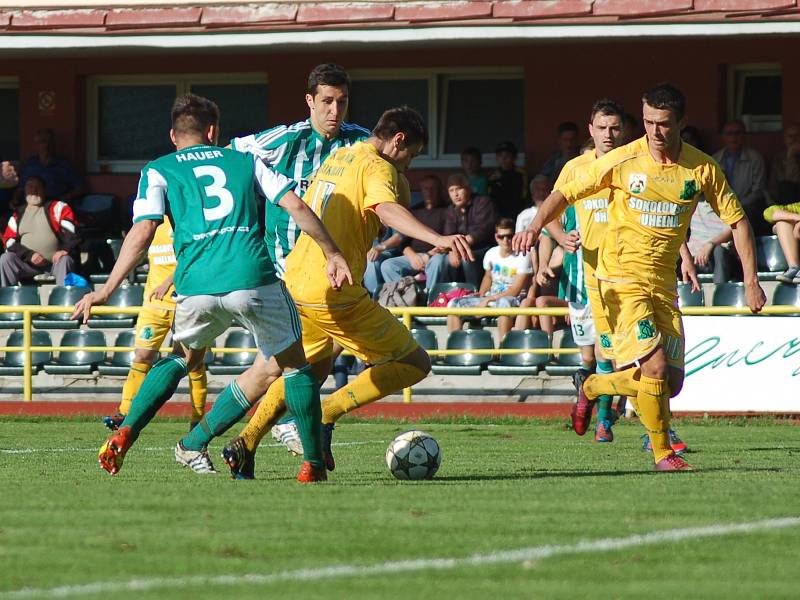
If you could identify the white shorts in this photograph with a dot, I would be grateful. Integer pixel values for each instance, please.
(582, 324)
(267, 312)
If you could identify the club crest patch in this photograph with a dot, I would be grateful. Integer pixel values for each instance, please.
(637, 182)
(146, 333)
(689, 189)
(647, 330)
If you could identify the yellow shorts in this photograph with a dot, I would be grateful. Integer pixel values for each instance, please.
(601, 326)
(642, 319)
(365, 328)
(152, 327)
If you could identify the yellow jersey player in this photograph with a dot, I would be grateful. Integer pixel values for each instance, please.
(152, 326)
(655, 183)
(354, 191)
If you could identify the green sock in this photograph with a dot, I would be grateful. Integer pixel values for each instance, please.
(230, 407)
(604, 402)
(157, 388)
(302, 399)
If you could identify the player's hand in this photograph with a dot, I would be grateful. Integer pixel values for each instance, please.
(338, 271)
(161, 291)
(524, 241)
(754, 297)
(545, 276)
(572, 242)
(84, 305)
(689, 275)
(459, 248)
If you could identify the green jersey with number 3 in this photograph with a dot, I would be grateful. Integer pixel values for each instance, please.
(212, 197)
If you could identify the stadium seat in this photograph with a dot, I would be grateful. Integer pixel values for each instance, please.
(61, 296)
(17, 296)
(14, 362)
(123, 297)
(437, 289)
(769, 256)
(686, 297)
(75, 361)
(120, 362)
(234, 363)
(466, 364)
(425, 338)
(565, 364)
(786, 295)
(521, 364)
(729, 294)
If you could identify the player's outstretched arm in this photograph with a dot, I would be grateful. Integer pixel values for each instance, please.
(133, 249)
(688, 270)
(399, 218)
(307, 221)
(746, 248)
(551, 208)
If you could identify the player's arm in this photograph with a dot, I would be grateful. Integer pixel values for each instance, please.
(308, 222)
(551, 208)
(133, 250)
(401, 219)
(688, 270)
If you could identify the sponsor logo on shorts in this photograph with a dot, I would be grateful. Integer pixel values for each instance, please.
(605, 341)
(146, 333)
(637, 182)
(647, 330)
(689, 189)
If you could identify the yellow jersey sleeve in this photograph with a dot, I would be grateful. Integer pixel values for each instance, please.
(596, 176)
(719, 195)
(380, 183)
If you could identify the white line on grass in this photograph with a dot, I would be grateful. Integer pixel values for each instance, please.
(34, 450)
(441, 564)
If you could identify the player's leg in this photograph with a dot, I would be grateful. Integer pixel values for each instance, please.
(198, 393)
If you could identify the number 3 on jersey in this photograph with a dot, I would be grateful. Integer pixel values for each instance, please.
(215, 190)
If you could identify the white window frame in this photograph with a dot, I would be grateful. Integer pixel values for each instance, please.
(736, 73)
(182, 83)
(437, 90)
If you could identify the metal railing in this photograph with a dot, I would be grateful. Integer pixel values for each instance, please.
(407, 315)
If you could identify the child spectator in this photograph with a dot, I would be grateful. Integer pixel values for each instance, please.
(508, 184)
(471, 164)
(786, 220)
(506, 276)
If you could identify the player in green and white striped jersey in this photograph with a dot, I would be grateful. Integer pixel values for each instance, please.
(298, 150)
(223, 275)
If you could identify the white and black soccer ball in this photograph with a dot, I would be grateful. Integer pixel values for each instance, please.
(413, 455)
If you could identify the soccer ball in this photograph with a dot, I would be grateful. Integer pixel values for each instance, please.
(413, 455)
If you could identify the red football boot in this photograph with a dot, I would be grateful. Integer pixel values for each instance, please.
(311, 474)
(112, 452)
(673, 462)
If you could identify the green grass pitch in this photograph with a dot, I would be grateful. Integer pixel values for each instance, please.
(159, 531)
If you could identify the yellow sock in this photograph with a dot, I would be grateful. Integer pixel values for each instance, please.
(653, 409)
(198, 392)
(132, 384)
(371, 384)
(620, 383)
(270, 409)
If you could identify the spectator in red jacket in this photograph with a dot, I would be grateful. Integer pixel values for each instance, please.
(40, 238)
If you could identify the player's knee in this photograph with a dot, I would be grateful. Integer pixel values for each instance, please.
(419, 359)
(655, 365)
(142, 355)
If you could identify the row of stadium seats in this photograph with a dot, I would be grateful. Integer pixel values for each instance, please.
(732, 294)
(77, 361)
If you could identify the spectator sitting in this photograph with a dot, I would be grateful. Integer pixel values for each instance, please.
(508, 184)
(39, 238)
(691, 135)
(471, 164)
(784, 177)
(744, 168)
(416, 255)
(540, 188)
(505, 279)
(472, 216)
(567, 150)
(786, 219)
(385, 248)
(544, 286)
(61, 181)
(710, 245)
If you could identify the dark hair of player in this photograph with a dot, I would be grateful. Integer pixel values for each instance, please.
(403, 119)
(567, 126)
(666, 96)
(192, 114)
(607, 108)
(504, 223)
(327, 74)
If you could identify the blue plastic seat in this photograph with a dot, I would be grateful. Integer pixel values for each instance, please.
(125, 296)
(14, 361)
(729, 294)
(565, 364)
(121, 361)
(769, 255)
(75, 360)
(786, 295)
(466, 363)
(525, 363)
(17, 295)
(686, 297)
(61, 296)
(234, 363)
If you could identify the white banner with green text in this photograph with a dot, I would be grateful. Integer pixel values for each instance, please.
(741, 364)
